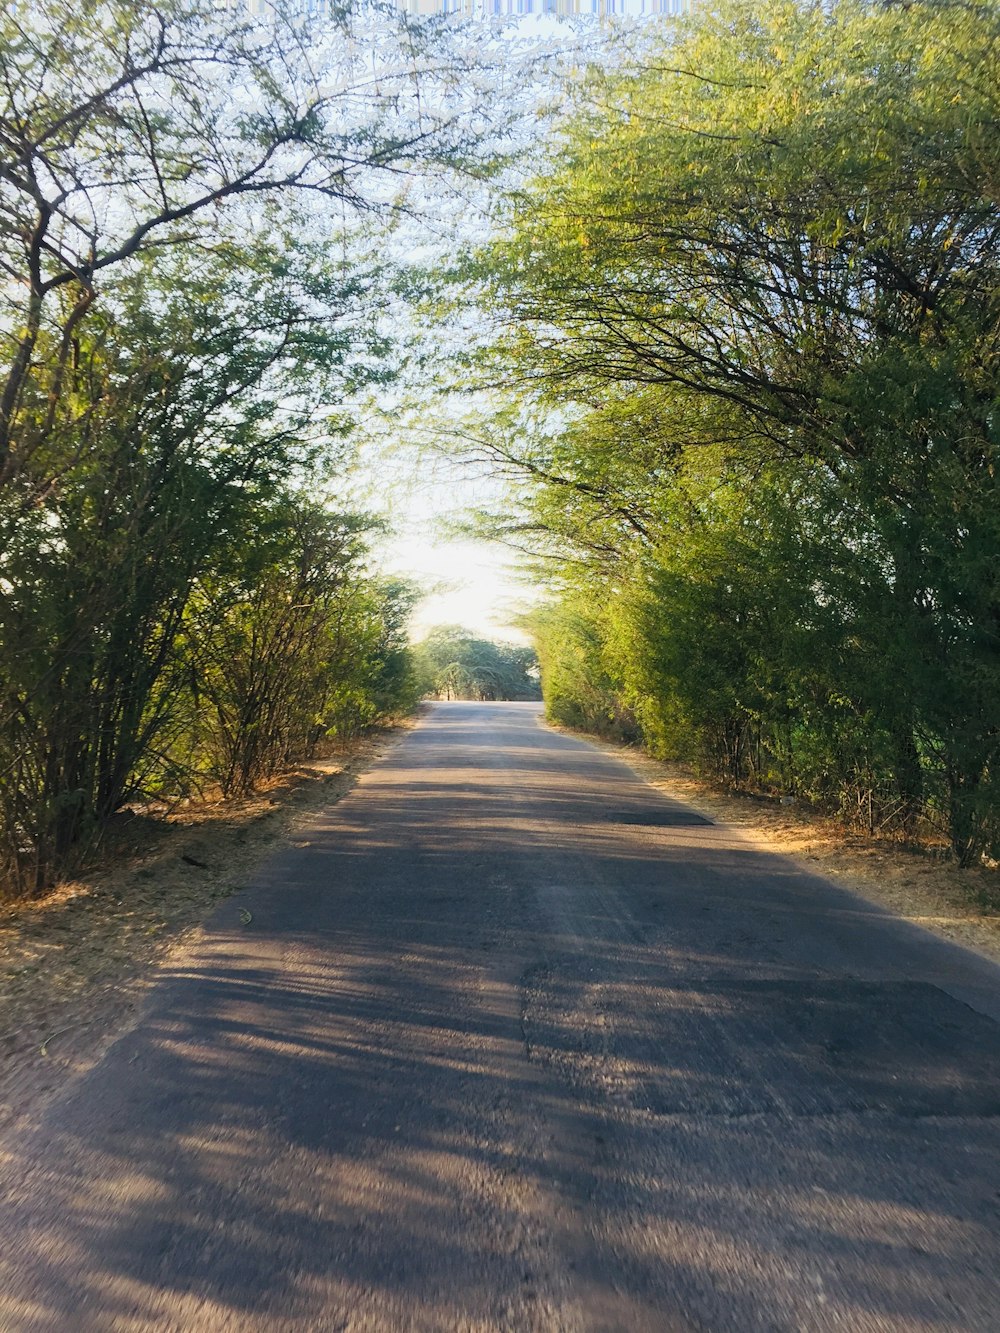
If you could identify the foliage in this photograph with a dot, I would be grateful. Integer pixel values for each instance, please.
(576, 686)
(451, 663)
(177, 340)
(130, 131)
(184, 465)
(275, 646)
(756, 290)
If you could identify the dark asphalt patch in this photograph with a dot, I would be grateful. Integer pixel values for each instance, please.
(904, 1047)
(793, 1048)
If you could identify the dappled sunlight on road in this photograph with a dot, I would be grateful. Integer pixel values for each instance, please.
(496, 1053)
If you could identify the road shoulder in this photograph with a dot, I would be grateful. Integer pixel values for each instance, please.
(922, 887)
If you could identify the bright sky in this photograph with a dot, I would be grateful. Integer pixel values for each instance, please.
(471, 583)
(468, 582)
(471, 587)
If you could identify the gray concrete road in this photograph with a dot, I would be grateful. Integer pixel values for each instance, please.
(513, 1042)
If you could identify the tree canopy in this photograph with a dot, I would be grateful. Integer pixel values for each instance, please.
(190, 294)
(753, 297)
(740, 363)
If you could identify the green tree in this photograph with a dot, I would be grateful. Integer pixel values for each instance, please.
(177, 333)
(130, 130)
(782, 229)
(183, 441)
(280, 647)
(578, 689)
(452, 663)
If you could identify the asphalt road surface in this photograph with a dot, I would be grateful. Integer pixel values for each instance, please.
(514, 1042)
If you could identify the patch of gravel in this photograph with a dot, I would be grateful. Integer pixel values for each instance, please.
(920, 883)
(75, 964)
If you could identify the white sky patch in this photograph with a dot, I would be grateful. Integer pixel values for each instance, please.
(425, 499)
(467, 586)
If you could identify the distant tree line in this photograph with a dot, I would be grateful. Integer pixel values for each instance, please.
(451, 663)
(753, 313)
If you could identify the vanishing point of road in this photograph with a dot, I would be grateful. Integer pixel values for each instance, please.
(513, 1042)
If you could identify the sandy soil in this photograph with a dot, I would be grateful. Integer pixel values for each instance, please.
(919, 882)
(74, 965)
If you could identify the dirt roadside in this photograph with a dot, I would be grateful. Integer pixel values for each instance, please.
(74, 966)
(919, 883)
